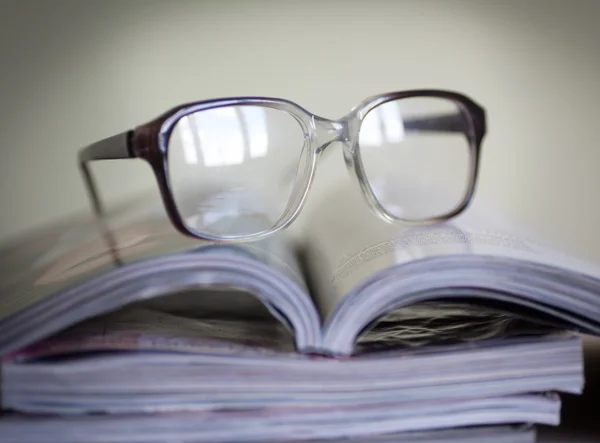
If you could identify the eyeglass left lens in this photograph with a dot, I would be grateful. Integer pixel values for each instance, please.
(223, 168)
(417, 158)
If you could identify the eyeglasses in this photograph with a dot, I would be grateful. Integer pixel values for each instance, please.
(219, 163)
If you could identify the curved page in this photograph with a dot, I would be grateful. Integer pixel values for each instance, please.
(353, 265)
(53, 279)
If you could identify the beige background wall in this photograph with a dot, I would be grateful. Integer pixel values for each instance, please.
(76, 71)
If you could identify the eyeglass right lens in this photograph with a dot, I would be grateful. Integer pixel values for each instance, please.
(416, 156)
(223, 168)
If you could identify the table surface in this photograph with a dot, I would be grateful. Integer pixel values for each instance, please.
(580, 421)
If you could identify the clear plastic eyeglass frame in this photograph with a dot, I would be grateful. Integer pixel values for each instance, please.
(150, 141)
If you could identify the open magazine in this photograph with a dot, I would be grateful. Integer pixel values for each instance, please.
(396, 329)
(328, 290)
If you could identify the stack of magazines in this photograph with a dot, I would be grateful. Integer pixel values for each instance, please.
(445, 333)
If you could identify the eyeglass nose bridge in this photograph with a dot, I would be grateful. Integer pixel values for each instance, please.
(328, 132)
(345, 131)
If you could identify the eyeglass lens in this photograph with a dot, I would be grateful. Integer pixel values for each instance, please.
(224, 164)
(416, 166)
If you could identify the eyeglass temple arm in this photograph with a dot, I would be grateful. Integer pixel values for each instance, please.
(454, 122)
(111, 148)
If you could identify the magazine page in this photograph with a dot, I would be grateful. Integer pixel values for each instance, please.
(50, 261)
(362, 244)
(138, 328)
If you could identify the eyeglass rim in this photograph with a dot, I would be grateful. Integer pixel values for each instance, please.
(476, 132)
(149, 141)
